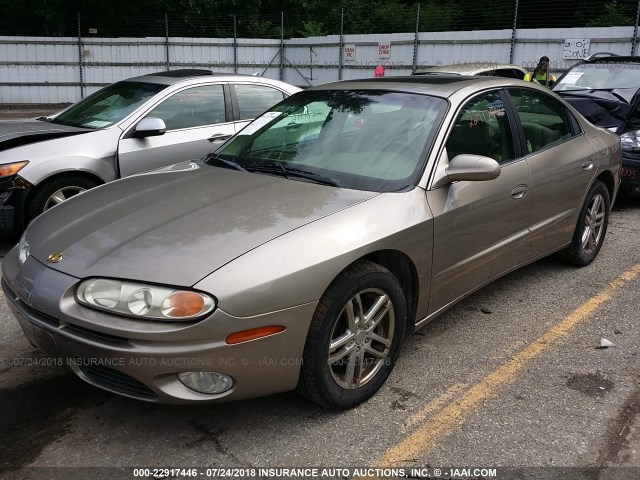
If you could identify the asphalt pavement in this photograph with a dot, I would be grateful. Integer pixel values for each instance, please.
(510, 377)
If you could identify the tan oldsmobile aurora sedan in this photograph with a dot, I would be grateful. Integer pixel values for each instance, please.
(302, 252)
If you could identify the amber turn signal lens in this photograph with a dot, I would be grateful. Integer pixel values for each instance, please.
(183, 304)
(254, 333)
(10, 169)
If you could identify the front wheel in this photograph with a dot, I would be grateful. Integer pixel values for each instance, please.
(55, 191)
(591, 228)
(354, 338)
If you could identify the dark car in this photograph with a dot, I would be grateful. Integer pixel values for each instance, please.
(606, 90)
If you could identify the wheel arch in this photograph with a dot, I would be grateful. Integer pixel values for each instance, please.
(403, 268)
(32, 191)
(608, 179)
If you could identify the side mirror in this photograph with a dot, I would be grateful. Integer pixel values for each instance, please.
(472, 168)
(149, 127)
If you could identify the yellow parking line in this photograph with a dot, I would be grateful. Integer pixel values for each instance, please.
(433, 406)
(424, 438)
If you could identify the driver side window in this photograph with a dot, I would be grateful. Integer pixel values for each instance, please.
(482, 128)
(192, 107)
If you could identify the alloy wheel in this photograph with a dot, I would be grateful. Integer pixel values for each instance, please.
(61, 195)
(361, 338)
(594, 224)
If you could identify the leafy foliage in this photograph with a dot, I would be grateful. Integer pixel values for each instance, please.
(261, 18)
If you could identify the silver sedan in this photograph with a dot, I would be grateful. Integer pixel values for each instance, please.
(302, 252)
(125, 128)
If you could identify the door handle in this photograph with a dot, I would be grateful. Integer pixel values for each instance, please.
(588, 165)
(218, 137)
(519, 192)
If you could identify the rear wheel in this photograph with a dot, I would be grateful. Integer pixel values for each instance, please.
(55, 191)
(592, 227)
(354, 338)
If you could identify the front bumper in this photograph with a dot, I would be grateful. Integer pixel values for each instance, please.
(142, 359)
(12, 203)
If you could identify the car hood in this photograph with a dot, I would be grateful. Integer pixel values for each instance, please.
(179, 224)
(15, 134)
(604, 108)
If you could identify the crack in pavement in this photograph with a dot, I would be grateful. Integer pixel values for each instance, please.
(210, 434)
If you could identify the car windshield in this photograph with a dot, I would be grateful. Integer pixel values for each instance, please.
(600, 76)
(365, 140)
(109, 105)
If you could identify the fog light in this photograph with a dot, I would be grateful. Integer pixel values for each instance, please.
(206, 382)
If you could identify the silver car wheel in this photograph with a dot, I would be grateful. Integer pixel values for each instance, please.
(361, 338)
(61, 195)
(593, 224)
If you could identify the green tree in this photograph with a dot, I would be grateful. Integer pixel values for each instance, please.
(313, 29)
(614, 15)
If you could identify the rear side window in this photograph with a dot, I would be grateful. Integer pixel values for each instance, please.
(545, 120)
(482, 128)
(253, 100)
(503, 72)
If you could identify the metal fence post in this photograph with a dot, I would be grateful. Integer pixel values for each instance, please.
(166, 39)
(513, 33)
(80, 60)
(415, 41)
(341, 57)
(235, 44)
(281, 45)
(634, 45)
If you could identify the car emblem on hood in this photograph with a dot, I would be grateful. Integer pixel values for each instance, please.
(55, 257)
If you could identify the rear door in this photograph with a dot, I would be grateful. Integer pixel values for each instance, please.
(250, 100)
(563, 163)
(198, 119)
(480, 226)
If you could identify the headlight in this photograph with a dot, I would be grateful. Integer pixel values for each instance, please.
(23, 248)
(143, 301)
(10, 169)
(630, 141)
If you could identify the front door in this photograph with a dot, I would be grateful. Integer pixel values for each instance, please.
(196, 121)
(480, 227)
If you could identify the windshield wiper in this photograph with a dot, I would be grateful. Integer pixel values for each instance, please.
(587, 92)
(282, 170)
(317, 178)
(229, 163)
(268, 167)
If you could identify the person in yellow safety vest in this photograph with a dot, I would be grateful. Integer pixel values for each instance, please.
(541, 73)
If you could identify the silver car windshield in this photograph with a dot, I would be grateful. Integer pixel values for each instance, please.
(109, 105)
(365, 140)
(600, 76)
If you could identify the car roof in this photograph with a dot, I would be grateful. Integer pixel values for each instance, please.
(612, 59)
(171, 77)
(465, 68)
(437, 85)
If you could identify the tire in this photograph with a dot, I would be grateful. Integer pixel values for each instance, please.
(591, 229)
(357, 373)
(67, 186)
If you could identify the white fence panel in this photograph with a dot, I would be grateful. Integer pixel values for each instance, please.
(47, 70)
